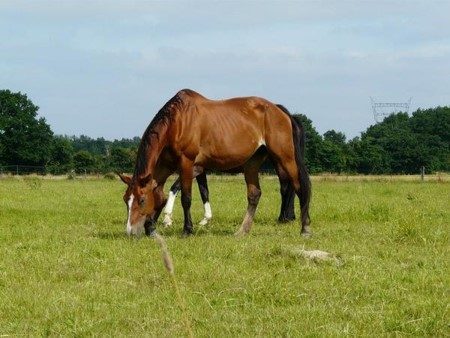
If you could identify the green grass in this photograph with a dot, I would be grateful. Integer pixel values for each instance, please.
(67, 267)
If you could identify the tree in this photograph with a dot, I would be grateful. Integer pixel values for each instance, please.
(334, 152)
(402, 144)
(393, 135)
(335, 137)
(61, 158)
(127, 143)
(24, 138)
(84, 161)
(370, 158)
(97, 146)
(431, 128)
(122, 159)
(107, 155)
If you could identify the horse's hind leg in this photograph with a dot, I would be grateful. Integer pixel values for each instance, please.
(253, 195)
(293, 171)
(204, 193)
(287, 211)
(285, 157)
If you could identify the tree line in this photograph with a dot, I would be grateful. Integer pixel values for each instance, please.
(401, 144)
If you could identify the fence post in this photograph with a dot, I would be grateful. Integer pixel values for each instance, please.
(422, 173)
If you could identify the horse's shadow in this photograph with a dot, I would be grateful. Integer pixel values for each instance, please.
(176, 230)
(172, 232)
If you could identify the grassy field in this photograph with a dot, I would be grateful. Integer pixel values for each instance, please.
(67, 268)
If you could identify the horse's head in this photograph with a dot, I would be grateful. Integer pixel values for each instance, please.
(144, 200)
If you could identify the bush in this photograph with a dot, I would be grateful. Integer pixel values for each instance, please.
(110, 176)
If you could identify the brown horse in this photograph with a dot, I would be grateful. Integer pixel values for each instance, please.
(287, 211)
(192, 133)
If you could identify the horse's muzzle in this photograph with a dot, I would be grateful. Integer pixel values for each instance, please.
(136, 229)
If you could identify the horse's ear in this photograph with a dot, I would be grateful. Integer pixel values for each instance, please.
(143, 181)
(125, 179)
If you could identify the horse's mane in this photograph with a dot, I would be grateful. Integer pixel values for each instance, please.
(152, 134)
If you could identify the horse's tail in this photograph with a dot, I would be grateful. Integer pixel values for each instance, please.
(299, 138)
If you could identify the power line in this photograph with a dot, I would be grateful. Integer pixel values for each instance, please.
(381, 110)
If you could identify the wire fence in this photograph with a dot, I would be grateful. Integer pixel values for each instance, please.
(64, 172)
(19, 170)
(23, 170)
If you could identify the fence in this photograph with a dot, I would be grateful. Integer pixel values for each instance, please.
(18, 169)
(23, 169)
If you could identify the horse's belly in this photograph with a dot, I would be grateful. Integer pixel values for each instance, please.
(226, 158)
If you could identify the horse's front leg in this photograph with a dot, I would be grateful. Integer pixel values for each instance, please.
(186, 176)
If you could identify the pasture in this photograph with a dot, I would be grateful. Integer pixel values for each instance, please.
(67, 267)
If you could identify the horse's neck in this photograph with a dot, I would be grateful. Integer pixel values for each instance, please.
(154, 148)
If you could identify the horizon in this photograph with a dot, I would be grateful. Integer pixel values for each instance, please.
(321, 134)
(105, 71)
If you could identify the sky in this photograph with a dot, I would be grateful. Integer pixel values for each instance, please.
(104, 68)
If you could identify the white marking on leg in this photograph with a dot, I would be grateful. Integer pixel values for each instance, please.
(130, 203)
(208, 214)
(170, 202)
(167, 221)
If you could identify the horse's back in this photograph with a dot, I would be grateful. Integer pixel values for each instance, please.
(231, 118)
(226, 133)
(250, 106)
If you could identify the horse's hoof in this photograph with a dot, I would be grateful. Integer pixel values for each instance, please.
(167, 221)
(186, 234)
(204, 221)
(240, 233)
(306, 233)
(286, 219)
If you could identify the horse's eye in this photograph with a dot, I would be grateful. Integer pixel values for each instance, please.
(141, 201)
